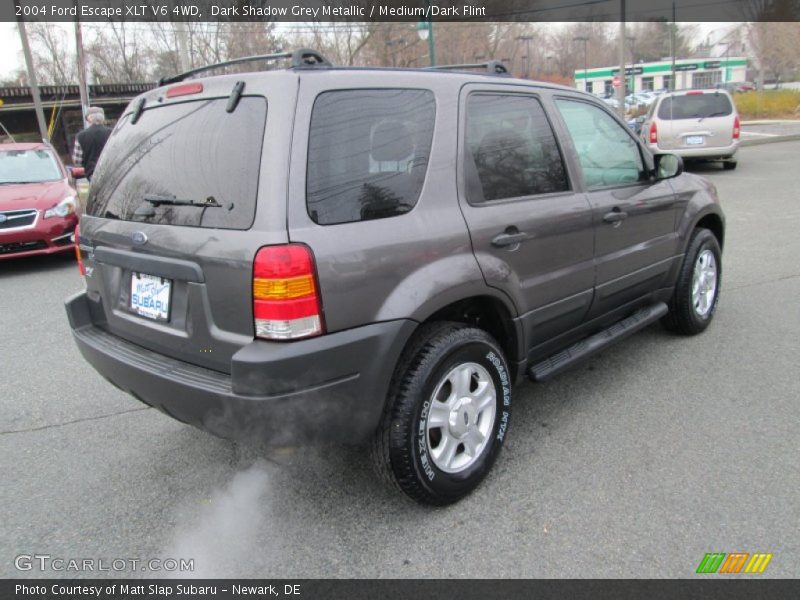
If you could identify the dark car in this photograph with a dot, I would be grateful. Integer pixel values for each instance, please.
(379, 255)
(39, 208)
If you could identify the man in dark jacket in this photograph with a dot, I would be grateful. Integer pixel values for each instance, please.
(89, 143)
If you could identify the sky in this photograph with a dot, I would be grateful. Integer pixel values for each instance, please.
(11, 57)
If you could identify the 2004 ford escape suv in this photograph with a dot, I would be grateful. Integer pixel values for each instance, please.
(379, 254)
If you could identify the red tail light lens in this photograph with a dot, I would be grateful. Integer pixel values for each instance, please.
(736, 128)
(286, 301)
(81, 266)
(653, 133)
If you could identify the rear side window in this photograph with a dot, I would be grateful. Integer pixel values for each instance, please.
(367, 153)
(187, 152)
(510, 149)
(694, 106)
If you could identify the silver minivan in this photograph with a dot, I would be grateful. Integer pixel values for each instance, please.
(694, 124)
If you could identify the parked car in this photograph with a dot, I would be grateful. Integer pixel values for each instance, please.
(737, 86)
(38, 205)
(379, 255)
(694, 124)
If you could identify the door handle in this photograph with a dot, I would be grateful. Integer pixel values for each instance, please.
(509, 239)
(615, 216)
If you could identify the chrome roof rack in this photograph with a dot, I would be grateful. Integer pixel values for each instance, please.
(302, 58)
(492, 67)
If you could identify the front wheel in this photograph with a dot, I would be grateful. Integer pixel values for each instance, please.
(447, 414)
(697, 292)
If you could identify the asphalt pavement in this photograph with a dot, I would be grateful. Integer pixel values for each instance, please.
(657, 451)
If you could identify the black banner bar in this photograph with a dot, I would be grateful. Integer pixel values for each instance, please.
(396, 10)
(460, 589)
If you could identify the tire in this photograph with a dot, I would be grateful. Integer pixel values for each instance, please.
(690, 314)
(729, 165)
(414, 454)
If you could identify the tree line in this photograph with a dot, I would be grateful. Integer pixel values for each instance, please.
(139, 52)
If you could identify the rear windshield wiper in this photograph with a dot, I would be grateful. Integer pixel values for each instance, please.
(149, 208)
(721, 113)
(173, 201)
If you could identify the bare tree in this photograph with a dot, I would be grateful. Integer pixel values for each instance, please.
(52, 53)
(776, 49)
(118, 54)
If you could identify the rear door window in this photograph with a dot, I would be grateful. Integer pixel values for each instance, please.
(694, 106)
(368, 153)
(511, 150)
(191, 151)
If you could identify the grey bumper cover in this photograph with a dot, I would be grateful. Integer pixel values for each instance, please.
(331, 387)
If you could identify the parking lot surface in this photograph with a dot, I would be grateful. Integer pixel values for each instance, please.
(636, 464)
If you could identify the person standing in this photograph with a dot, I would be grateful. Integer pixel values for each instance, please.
(89, 143)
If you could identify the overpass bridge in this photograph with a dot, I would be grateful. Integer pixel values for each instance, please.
(62, 109)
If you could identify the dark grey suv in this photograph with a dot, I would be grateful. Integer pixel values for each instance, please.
(379, 255)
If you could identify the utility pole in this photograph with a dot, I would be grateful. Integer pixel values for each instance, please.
(622, 78)
(527, 39)
(585, 40)
(34, 84)
(81, 67)
(183, 46)
(632, 40)
(672, 43)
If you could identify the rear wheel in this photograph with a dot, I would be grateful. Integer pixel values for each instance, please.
(697, 292)
(729, 165)
(447, 414)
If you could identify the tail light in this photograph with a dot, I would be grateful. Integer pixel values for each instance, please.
(76, 236)
(653, 133)
(286, 301)
(736, 128)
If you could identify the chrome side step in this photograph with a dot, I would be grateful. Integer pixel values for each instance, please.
(579, 351)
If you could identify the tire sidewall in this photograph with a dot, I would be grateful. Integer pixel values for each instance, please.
(436, 481)
(705, 240)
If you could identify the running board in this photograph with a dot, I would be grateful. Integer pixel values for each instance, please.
(565, 359)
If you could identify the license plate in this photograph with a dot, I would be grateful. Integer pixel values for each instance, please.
(150, 296)
(695, 140)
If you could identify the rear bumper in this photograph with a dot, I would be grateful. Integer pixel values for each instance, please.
(331, 387)
(700, 153)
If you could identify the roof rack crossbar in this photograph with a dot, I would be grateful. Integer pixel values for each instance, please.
(492, 67)
(301, 58)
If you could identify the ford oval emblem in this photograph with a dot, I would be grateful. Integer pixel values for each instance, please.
(139, 238)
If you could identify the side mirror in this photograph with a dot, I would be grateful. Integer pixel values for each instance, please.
(668, 166)
(77, 172)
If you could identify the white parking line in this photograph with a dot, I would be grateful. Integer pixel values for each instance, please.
(758, 133)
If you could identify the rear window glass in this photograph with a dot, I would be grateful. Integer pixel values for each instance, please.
(367, 153)
(700, 106)
(192, 151)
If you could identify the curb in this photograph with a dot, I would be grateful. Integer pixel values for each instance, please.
(779, 138)
(770, 121)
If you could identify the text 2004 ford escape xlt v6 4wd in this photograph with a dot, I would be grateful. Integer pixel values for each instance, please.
(367, 254)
